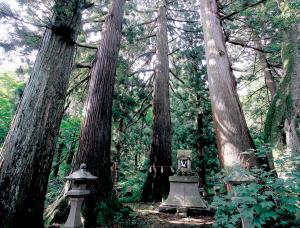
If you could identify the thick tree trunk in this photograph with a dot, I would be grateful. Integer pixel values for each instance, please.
(157, 183)
(95, 136)
(232, 133)
(281, 120)
(27, 154)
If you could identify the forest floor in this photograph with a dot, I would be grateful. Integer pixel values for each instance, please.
(150, 217)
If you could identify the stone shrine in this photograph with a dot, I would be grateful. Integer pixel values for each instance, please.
(184, 193)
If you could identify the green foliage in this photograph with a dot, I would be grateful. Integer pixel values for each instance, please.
(10, 94)
(131, 183)
(114, 213)
(69, 135)
(269, 201)
(185, 173)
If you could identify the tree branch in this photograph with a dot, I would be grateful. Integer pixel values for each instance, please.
(78, 84)
(187, 21)
(140, 71)
(146, 37)
(140, 111)
(247, 46)
(82, 65)
(243, 9)
(86, 46)
(147, 22)
(186, 30)
(177, 49)
(150, 53)
(176, 76)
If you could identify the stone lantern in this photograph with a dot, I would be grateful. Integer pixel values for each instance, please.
(78, 179)
(238, 178)
(184, 194)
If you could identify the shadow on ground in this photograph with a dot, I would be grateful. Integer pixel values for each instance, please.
(150, 217)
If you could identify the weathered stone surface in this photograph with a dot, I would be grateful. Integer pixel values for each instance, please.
(74, 218)
(183, 179)
(81, 175)
(184, 193)
(187, 154)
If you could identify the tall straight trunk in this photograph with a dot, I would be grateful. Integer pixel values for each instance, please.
(58, 159)
(232, 133)
(95, 135)
(27, 154)
(269, 80)
(281, 120)
(157, 183)
(71, 153)
(201, 151)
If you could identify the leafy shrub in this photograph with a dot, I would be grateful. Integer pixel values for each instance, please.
(180, 172)
(114, 213)
(271, 202)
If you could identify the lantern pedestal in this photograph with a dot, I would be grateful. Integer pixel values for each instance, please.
(74, 218)
(239, 177)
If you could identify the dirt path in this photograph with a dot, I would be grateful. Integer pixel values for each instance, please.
(150, 217)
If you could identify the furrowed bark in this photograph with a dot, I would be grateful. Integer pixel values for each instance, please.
(58, 158)
(232, 133)
(27, 154)
(270, 83)
(95, 136)
(201, 150)
(157, 183)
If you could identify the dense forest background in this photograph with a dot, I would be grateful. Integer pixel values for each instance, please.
(129, 71)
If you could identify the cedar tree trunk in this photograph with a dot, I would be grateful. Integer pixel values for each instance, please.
(27, 154)
(281, 120)
(201, 151)
(232, 133)
(58, 159)
(270, 83)
(157, 183)
(95, 135)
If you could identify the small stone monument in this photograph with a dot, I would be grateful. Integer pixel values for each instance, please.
(239, 177)
(78, 179)
(184, 160)
(184, 194)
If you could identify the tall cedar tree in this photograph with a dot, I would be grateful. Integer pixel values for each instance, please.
(95, 136)
(232, 133)
(28, 149)
(281, 121)
(157, 182)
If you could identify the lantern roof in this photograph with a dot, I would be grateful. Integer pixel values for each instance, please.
(240, 177)
(81, 174)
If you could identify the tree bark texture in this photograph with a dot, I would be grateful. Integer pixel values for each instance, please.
(281, 120)
(95, 136)
(157, 183)
(201, 150)
(232, 133)
(270, 83)
(58, 159)
(27, 154)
